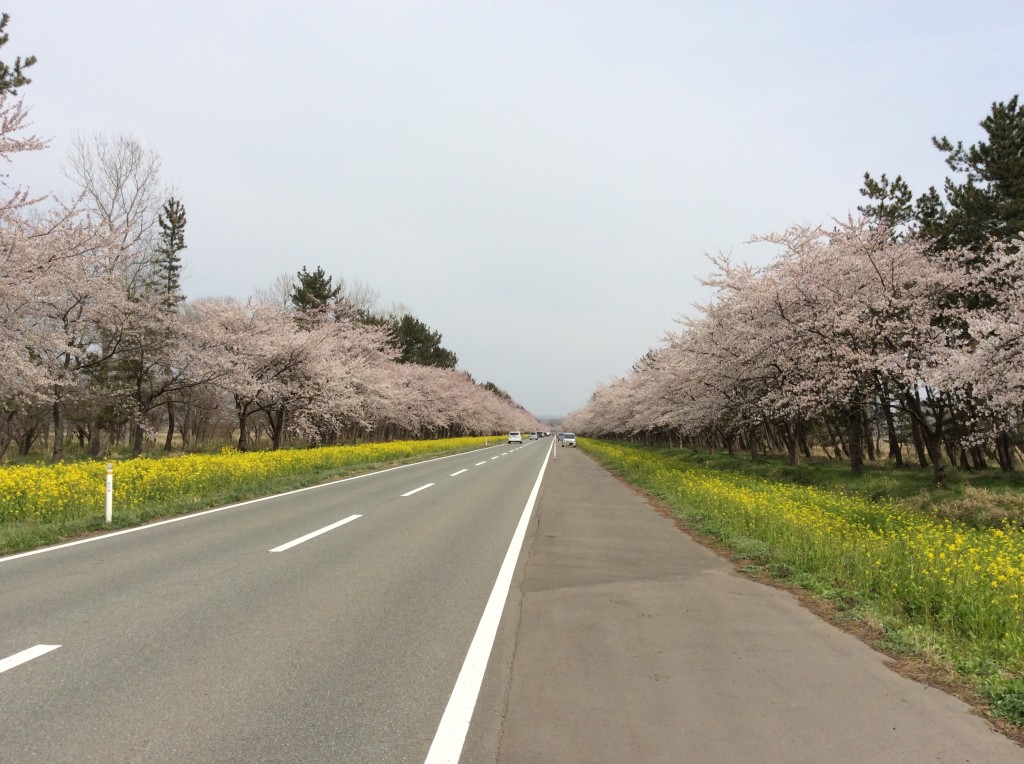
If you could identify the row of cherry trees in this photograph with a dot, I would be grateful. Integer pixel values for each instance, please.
(902, 327)
(847, 333)
(98, 344)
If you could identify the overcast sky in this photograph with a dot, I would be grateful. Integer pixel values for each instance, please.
(538, 181)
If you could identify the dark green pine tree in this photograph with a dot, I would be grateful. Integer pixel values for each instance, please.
(988, 204)
(169, 244)
(418, 344)
(892, 202)
(495, 390)
(314, 295)
(12, 77)
(985, 203)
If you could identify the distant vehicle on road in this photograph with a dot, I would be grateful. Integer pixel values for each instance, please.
(568, 439)
(533, 436)
(515, 437)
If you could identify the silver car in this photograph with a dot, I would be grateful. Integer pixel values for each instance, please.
(568, 439)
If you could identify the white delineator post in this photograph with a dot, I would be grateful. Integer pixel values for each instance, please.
(110, 493)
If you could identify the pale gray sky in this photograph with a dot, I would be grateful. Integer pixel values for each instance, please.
(538, 181)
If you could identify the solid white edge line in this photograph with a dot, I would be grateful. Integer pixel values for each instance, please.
(314, 534)
(25, 656)
(451, 732)
(458, 473)
(417, 490)
(179, 518)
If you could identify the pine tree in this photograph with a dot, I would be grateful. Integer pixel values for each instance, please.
(984, 205)
(418, 344)
(893, 202)
(170, 242)
(12, 77)
(988, 205)
(314, 295)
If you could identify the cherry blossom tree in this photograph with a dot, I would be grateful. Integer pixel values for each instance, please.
(94, 330)
(841, 323)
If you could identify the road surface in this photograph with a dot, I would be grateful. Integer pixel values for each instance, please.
(634, 643)
(333, 625)
(194, 641)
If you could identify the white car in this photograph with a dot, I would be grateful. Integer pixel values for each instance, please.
(515, 437)
(568, 439)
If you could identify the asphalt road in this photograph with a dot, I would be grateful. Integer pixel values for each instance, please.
(193, 641)
(626, 641)
(622, 640)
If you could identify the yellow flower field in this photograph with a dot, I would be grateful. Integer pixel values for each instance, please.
(76, 491)
(966, 583)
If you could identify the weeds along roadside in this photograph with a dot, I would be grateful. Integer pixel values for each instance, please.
(940, 589)
(41, 505)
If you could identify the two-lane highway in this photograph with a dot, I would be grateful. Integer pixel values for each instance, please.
(327, 624)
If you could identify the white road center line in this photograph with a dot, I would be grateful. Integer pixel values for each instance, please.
(496, 457)
(451, 732)
(478, 464)
(314, 534)
(458, 473)
(25, 656)
(417, 490)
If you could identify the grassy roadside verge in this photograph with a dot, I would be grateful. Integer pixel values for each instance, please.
(40, 506)
(939, 593)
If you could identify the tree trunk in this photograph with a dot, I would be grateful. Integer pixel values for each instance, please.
(138, 439)
(836, 439)
(58, 432)
(868, 438)
(792, 444)
(1004, 452)
(28, 437)
(823, 442)
(185, 427)
(8, 436)
(95, 443)
(242, 410)
(855, 439)
(919, 446)
(934, 446)
(169, 442)
(801, 434)
(895, 451)
(951, 453)
(277, 420)
(243, 431)
(933, 434)
(752, 444)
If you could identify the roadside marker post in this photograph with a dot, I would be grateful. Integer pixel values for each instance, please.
(110, 493)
